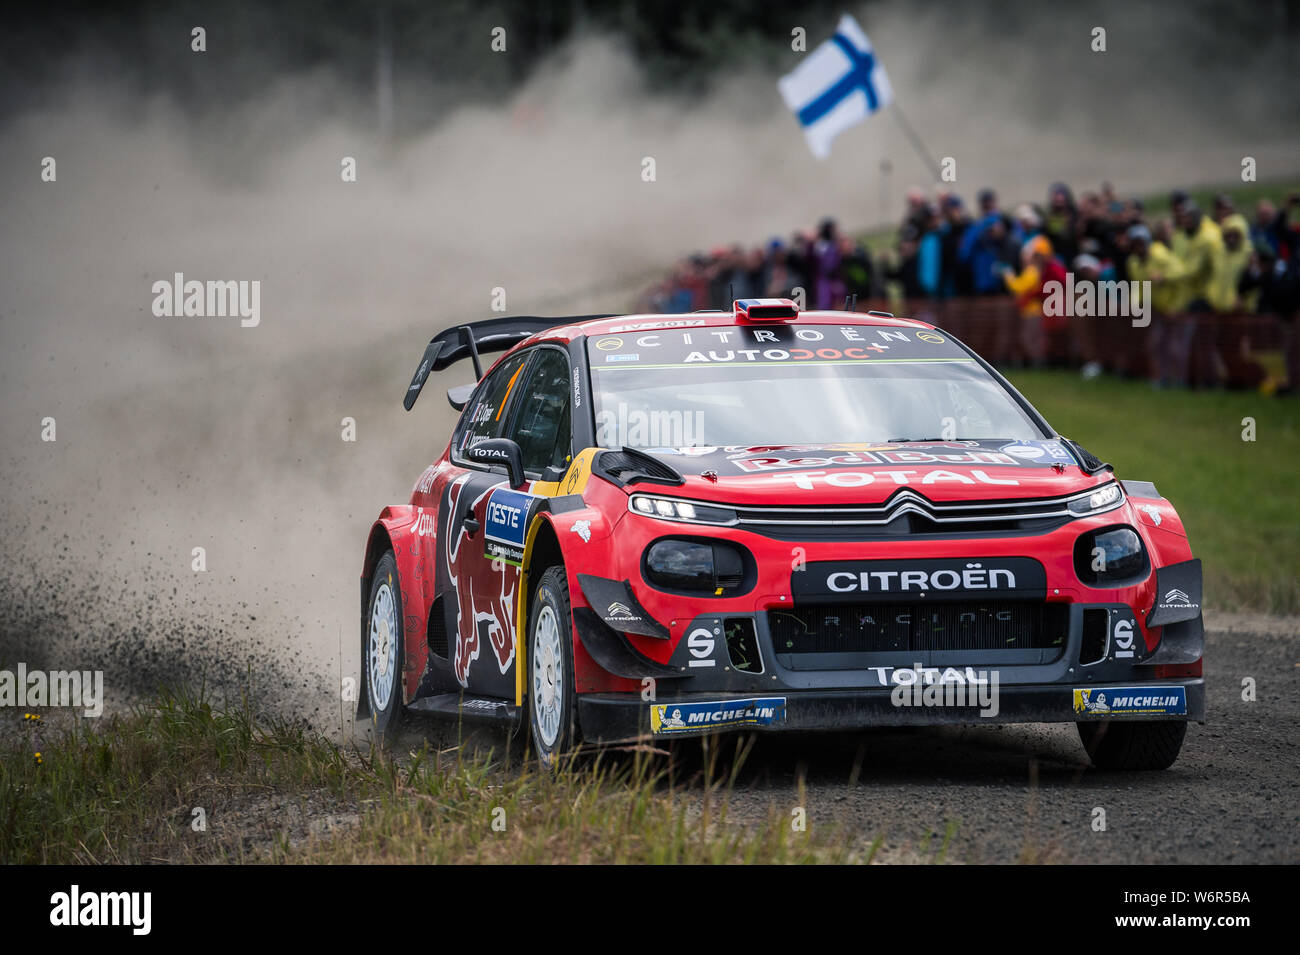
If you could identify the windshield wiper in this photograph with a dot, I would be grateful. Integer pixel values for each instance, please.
(918, 440)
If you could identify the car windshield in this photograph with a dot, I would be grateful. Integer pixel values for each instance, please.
(759, 385)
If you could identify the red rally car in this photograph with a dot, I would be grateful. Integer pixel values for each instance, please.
(652, 526)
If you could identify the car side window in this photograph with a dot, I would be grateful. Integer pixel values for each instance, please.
(485, 417)
(542, 422)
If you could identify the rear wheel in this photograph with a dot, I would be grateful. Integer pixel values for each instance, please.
(1114, 745)
(552, 701)
(381, 651)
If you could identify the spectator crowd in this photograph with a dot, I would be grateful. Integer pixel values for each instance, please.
(1199, 262)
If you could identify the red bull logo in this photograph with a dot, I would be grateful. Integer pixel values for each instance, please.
(494, 619)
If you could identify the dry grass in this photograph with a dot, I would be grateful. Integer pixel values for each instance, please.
(125, 789)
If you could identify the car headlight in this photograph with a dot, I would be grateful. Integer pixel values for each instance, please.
(1105, 498)
(1110, 557)
(697, 564)
(675, 509)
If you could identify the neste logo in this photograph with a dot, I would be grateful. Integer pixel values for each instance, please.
(504, 515)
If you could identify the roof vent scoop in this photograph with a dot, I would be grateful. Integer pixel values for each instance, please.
(765, 309)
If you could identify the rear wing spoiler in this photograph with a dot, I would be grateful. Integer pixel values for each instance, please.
(469, 341)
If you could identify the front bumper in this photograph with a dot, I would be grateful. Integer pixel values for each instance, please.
(824, 641)
(616, 717)
(1096, 668)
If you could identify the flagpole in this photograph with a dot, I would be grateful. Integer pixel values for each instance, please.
(916, 142)
(886, 167)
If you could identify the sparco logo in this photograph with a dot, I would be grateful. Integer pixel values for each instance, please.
(970, 577)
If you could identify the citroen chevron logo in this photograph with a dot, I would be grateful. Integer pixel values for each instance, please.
(906, 501)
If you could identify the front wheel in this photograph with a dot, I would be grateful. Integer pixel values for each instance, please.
(381, 650)
(1113, 745)
(552, 702)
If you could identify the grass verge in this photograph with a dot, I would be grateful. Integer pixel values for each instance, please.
(126, 789)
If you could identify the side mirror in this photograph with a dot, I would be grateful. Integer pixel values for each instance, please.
(502, 451)
(459, 395)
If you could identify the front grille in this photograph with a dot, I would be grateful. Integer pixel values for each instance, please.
(919, 627)
(905, 514)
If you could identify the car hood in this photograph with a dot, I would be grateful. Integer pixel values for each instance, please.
(871, 473)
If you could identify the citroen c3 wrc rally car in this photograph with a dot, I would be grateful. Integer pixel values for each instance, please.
(771, 519)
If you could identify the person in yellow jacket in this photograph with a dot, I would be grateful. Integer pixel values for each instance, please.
(1169, 339)
(1177, 240)
(1202, 255)
(1231, 265)
(1153, 262)
(1028, 283)
(1039, 268)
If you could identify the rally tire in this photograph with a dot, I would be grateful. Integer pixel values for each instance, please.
(552, 703)
(382, 647)
(1122, 746)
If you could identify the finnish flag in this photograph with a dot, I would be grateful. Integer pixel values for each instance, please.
(839, 83)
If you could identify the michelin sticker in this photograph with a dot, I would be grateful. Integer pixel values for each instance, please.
(508, 514)
(684, 717)
(1131, 701)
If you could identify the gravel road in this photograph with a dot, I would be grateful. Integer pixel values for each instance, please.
(1002, 794)
(1027, 793)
